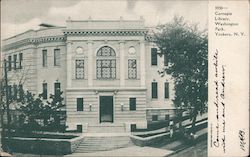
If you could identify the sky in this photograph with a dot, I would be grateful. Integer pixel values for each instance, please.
(18, 16)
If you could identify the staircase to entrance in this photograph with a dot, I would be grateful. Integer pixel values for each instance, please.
(106, 128)
(102, 142)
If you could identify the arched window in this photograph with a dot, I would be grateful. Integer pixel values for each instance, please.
(106, 63)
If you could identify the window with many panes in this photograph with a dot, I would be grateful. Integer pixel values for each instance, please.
(56, 57)
(44, 53)
(106, 63)
(79, 69)
(132, 69)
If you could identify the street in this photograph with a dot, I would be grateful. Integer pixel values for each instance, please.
(198, 150)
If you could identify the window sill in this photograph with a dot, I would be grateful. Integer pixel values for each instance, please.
(108, 79)
(154, 99)
(135, 79)
(83, 79)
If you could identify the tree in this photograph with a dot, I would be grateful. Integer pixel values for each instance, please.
(186, 52)
(39, 115)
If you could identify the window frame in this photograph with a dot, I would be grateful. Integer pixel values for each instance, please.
(155, 118)
(15, 61)
(79, 127)
(44, 58)
(105, 57)
(154, 93)
(132, 104)
(79, 67)
(20, 60)
(57, 90)
(79, 104)
(133, 68)
(57, 57)
(166, 90)
(9, 63)
(45, 90)
(154, 57)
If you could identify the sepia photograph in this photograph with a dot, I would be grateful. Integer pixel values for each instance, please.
(105, 78)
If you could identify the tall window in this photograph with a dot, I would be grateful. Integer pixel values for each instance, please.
(44, 53)
(132, 69)
(9, 63)
(154, 90)
(45, 90)
(153, 56)
(79, 104)
(80, 69)
(57, 88)
(56, 57)
(20, 60)
(15, 61)
(132, 104)
(166, 88)
(106, 63)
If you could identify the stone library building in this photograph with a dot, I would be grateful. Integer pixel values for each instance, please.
(108, 71)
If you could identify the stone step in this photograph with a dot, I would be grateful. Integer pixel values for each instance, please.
(99, 129)
(88, 149)
(106, 128)
(97, 143)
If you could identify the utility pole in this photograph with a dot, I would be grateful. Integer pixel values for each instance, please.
(7, 96)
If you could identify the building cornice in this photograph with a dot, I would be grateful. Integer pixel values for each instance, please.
(136, 32)
(33, 41)
(62, 38)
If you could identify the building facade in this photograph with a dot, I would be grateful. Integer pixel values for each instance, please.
(108, 71)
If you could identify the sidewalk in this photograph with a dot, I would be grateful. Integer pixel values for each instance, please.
(134, 151)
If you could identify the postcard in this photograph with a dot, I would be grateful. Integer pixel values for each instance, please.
(124, 78)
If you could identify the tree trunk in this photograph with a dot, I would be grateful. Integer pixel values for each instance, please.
(180, 122)
(193, 123)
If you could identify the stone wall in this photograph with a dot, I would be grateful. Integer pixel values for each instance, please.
(44, 146)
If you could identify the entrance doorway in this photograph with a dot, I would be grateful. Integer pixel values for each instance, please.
(106, 109)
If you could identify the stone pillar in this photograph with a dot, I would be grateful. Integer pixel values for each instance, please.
(122, 63)
(90, 63)
(142, 56)
(69, 63)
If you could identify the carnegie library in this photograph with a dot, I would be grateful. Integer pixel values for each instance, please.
(108, 70)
